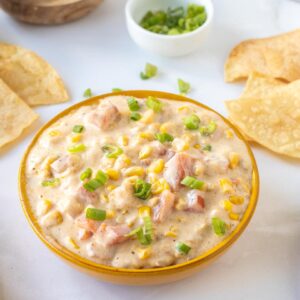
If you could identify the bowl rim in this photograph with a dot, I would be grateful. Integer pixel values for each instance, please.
(207, 22)
(99, 268)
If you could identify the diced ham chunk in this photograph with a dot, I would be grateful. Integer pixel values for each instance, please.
(178, 167)
(85, 196)
(113, 234)
(87, 224)
(165, 207)
(195, 200)
(106, 117)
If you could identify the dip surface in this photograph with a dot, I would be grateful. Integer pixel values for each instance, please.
(139, 183)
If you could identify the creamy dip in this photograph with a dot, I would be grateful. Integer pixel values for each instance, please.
(139, 183)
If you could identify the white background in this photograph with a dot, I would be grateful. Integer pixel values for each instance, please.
(97, 52)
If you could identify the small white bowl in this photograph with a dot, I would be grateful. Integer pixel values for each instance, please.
(165, 45)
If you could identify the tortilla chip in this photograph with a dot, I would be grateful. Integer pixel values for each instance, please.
(277, 57)
(273, 122)
(30, 76)
(261, 86)
(15, 115)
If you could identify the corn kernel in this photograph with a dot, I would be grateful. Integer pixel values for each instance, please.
(122, 161)
(197, 146)
(166, 127)
(76, 138)
(157, 166)
(43, 207)
(54, 133)
(53, 218)
(234, 159)
(144, 253)
(237, 200)
(229, 134)
(110, 187)
(148, 117)
(72, 243)
(171, 234)
(145, 152)
(113, 174)
(153, 201)
(152, 177)
(180, 145)
(199, 168)
(123, 140)
(184, 109)
(104, 198)
(159, 186)
(110, 214)
(132, 171)
(144, 211)
(227, 205)
(130, 222)
(146, 135)
(226, 186)
(181, 204)
(234, 216)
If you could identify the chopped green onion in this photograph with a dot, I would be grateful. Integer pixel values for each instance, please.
(192, 122)
(142, 189)
(92, 185)
(148, 227)
(133, 104)
(219, 226)
(142, 237)
(77, 148)
(207, 147)
(86, 174)
(183, 86)
(51, 182)
(114, 90)
(192, 182)
(133, 232)
(154, 104)
(135, 116)
(164, 137)
(78, 128)
(112, 151)
(182, 248)
(101, 177)
(87, 93)
(209, 129)
(150, 71)
(95, 214)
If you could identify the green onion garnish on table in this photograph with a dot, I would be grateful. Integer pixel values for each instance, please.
(142, 189)
(150, 71)
(154, 104)
(192, 183)
(78, 128)
(183, 86)
(86, 174)
(182, 248)
(112, 151)
(192, 122)
(175, 20)
(209, 129)
(77, 148)
(51, 182)
(87, 93)
(135, 116)
(133, 104)
(164, 137)
(95, 214)
(219, 226)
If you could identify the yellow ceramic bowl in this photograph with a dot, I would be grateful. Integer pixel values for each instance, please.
(138, 276)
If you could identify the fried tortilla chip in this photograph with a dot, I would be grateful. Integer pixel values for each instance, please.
(15, 115)
(261, 86)
(277, 57)
(273, 122)
(30, 76)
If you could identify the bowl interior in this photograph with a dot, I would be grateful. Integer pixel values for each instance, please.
(138, 8)
(90, 265)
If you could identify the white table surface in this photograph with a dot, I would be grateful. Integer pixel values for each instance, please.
(97, 52)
